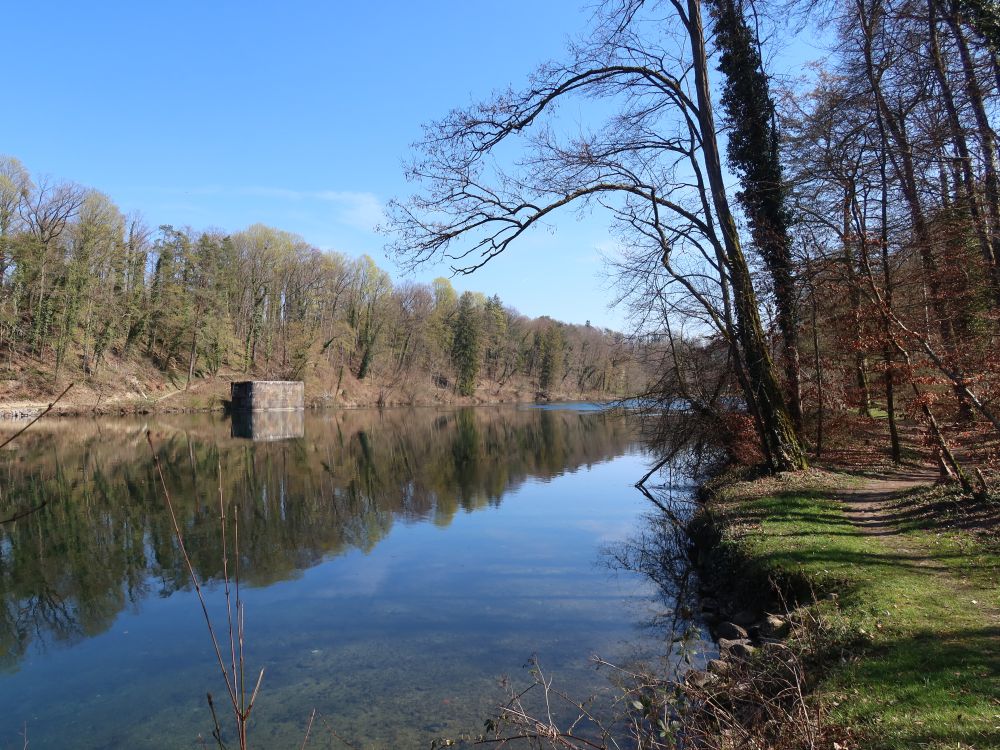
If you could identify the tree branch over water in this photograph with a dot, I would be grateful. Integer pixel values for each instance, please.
(27, 512)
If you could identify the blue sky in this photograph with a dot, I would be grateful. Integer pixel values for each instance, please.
(296, 114)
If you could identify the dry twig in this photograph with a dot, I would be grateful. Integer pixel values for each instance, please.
(241, 703)
(28, 511)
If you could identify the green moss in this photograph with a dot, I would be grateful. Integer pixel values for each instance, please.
(920, 609)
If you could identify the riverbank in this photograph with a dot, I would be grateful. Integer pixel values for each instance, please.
(892, 586)
(147, 392)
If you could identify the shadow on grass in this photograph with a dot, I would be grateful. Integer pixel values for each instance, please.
(807, 534)
(937, 688)
(944, 507)
(926, 507)
(916, 661)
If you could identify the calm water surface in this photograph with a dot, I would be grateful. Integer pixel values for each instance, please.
(395, 565)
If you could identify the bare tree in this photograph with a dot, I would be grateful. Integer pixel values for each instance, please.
(654, 163)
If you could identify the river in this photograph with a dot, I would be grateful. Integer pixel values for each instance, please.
(394, 565)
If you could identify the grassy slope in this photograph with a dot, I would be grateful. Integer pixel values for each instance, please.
(920, 606)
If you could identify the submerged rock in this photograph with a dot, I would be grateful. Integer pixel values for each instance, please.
(709, 610)
(744, 618)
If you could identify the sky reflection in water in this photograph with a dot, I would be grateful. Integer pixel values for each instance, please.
(397, 564)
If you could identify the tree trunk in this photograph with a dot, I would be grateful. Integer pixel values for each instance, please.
(753, 154)
(968, 182)
(854, 297)
(192, 356)
(946, 454)
(987, 144)
(778, 432)
(887, 287)
(890, 406)
(818, 364)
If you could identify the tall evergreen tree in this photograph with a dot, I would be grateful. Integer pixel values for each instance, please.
(552, 346)
(467, 332)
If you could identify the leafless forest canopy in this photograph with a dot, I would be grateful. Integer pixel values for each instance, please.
(804, 250)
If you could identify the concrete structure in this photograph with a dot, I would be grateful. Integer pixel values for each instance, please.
(261, 395)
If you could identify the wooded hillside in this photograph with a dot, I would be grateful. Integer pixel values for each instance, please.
(90, 294)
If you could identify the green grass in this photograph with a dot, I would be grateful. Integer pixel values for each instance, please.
(919, 609)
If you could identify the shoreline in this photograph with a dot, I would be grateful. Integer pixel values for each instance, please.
(810, 592)
(20, 411)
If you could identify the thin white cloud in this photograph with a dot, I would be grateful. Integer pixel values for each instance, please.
(361, 210)
(357, 209)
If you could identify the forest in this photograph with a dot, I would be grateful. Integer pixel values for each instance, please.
(820, 247)
(91, 294)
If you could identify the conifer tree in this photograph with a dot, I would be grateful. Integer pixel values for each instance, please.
(467, 332)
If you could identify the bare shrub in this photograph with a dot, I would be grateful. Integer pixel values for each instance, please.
(755, 701)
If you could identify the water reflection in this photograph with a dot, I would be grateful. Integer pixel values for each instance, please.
(661, 551)
(102, 543)
(269, 425)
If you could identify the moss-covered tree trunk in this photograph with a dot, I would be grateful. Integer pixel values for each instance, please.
(753, 155)
(778, 435)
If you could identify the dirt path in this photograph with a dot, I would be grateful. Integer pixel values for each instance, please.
(874, 508)
(871, 507)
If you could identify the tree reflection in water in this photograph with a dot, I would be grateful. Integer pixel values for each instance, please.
(661, 552)
(102, 542)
